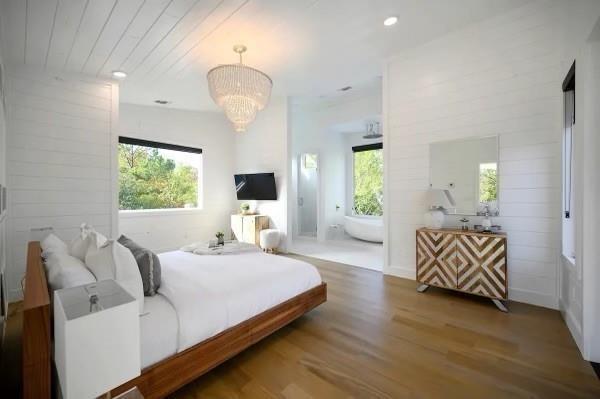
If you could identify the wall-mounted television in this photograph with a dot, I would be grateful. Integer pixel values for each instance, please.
(256, 186)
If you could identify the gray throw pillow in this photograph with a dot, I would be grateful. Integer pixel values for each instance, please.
(148, 263)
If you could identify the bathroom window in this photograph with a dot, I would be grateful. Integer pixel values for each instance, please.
(368, 179)
(488, 179)
(309, 161)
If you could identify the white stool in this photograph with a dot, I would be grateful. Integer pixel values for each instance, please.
(269, 240)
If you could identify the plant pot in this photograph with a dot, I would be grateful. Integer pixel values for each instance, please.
(221, 241)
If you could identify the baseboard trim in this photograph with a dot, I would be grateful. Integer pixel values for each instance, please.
(517, 295)
(572, 324)
(596, 367)
(15, 295)
(533, 298)
(406, 272)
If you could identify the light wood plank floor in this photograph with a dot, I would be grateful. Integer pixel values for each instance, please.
(376, 337)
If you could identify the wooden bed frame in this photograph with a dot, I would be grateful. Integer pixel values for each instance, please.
(161, 378)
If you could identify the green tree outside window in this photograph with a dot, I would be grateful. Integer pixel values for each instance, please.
(150, 180)
(488, 182)
(368, 183)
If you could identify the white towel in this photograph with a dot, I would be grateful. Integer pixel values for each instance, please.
(233, 247)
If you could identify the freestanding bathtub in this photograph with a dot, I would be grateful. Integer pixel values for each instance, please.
(364, 228)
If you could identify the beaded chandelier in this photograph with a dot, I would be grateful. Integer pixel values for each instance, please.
(240, 90)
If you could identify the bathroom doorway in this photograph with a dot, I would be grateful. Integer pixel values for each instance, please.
(308, 194)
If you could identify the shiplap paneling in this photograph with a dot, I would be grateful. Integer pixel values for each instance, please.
(157, 41)
(3, 215)
(59, 158)
(498, 77)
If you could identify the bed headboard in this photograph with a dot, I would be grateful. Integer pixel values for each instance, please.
(37, 328)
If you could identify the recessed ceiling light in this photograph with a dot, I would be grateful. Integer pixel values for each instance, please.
(346, 88)
(162, 102)
(389, 21)
(119, 74)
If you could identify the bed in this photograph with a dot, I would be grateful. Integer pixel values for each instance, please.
(208, 309)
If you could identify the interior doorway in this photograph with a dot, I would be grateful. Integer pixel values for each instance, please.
(308, 194)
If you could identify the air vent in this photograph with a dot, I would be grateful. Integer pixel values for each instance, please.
(162, 102)
(345, 88)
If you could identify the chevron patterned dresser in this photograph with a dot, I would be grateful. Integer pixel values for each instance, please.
(465, 261)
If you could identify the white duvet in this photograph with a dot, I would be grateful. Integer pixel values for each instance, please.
(213, 293)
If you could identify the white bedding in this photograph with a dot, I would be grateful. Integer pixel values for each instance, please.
(213, 293)
(158, 330)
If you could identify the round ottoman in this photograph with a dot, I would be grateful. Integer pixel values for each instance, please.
(269, 240)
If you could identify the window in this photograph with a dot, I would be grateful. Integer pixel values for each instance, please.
(310, 161)
(568, 218)
(368, 179)
(158, 176)
(488, 182)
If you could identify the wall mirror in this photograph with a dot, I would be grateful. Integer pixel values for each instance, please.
(468, 168)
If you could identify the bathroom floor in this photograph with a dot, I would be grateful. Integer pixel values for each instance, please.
(349, 251)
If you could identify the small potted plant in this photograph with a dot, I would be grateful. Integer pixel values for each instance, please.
(220, 238)
(245, 208)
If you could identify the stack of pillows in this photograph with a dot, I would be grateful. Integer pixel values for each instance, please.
(91, 257)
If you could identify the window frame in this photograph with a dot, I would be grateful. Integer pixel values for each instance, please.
(362, 148)
(130, 213)
(568, 211)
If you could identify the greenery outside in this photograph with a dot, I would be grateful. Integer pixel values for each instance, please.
(488, 180)
(148, 179)
(368, 182)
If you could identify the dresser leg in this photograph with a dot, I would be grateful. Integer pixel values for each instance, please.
(500, 305)
(422, 288)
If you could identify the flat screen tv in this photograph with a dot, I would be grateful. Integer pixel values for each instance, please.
(256, 186)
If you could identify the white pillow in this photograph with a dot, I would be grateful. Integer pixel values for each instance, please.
(113, 261)
(53, 244)
(64, 271)
(79, 245)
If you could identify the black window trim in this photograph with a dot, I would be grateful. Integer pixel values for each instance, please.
(367, 147)
(156, 144)
(569, 85)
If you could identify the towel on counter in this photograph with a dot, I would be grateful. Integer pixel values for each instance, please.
(230, 247)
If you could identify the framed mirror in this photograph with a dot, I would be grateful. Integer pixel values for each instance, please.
(468, 168)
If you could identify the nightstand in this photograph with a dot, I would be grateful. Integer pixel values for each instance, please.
(96, 337)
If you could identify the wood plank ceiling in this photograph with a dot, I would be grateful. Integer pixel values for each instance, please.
(309, 47)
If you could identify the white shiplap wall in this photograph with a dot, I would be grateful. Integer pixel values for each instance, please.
(58, 158)
(3, 218)
(498, 77)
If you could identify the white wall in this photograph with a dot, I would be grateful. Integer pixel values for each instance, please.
(263, 148)
(2, 169)
(588, 234)
(501, 76)
(59, 149)
(209, 131)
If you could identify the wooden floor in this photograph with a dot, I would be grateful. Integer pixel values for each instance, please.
(376, 337)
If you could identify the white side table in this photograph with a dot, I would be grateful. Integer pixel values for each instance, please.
(96, 338)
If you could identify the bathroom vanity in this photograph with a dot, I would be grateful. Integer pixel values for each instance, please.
(466, 261)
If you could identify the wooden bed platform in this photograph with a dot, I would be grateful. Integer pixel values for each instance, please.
(164, 377)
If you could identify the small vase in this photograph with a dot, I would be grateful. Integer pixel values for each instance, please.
(220, 240)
